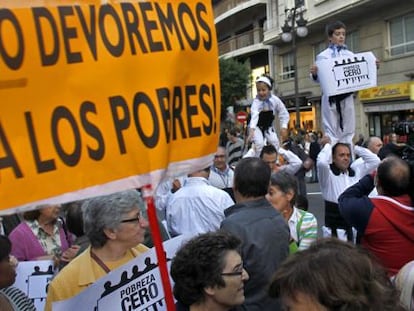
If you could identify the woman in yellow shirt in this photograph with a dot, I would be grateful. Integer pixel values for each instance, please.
(115, 228)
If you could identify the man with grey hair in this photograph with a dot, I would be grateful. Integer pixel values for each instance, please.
(221, 174)
(373, 144)
(115, 227)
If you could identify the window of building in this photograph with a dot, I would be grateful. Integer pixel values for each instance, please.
(401, 35)
(294, 3)
(352, 41)
(288, 70)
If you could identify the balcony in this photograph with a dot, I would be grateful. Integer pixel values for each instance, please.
(243, 44)
(239, 9)
(226, 5)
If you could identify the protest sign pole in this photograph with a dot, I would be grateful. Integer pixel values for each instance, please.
(159, 249)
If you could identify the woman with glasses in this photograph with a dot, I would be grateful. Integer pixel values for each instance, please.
(208, 273)
(115, 228)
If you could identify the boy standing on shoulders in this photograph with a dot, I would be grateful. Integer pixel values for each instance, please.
(338, 113)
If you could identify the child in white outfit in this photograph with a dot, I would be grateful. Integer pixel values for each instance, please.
(263, 111)
(338, 113)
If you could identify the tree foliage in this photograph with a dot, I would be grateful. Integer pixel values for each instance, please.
(234, 78)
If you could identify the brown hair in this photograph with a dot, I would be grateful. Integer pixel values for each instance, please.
(339, 276)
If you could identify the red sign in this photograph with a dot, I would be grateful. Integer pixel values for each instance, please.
(241, 116)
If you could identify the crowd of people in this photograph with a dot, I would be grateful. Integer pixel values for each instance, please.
(254, 245)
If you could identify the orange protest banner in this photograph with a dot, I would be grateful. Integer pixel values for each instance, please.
(102, 97)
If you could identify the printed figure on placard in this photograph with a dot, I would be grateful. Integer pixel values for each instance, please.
(38, 282)
(264, 109)
(349, 73)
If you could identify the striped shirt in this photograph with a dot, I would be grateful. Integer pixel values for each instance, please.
(234, 152)
(303, 228)
(18, 299)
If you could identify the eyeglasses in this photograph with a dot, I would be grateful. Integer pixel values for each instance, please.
(135, 219)
(239, 272)
(218, 156)
(235, 273)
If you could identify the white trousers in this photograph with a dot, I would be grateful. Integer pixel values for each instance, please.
(271, 138)
(331, 124)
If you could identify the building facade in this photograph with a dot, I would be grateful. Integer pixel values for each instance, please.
(384, 27)
(240, 25)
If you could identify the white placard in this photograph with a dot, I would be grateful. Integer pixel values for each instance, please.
(134, 286)
(347, 74)
(33, 278)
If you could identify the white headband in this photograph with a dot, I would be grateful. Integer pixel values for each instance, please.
(264, 80)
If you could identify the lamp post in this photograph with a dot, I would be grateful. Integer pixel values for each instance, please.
(290, 30)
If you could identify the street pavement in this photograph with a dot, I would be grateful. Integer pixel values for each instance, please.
(316, 205)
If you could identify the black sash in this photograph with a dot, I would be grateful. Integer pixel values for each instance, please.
(337, 100)
(266, 119)
(334, 220)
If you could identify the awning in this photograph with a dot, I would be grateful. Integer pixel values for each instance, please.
(388, 106)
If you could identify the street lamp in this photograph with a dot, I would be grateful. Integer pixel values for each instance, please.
(290, 30)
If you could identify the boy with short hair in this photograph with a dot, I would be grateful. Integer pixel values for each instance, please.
(338, 113)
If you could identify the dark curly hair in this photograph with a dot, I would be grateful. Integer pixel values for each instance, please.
(199, 263)
(5, 248)
(339, 276)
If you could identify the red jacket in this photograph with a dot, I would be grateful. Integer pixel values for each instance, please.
(386, 224)
(390, 232)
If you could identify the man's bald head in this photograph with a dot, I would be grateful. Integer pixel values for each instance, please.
(374, 144)
(393, 177)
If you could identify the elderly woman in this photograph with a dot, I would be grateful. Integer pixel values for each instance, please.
(208, 273)
(302, 224)
(11, 298)
(42, 236)
(115, 228)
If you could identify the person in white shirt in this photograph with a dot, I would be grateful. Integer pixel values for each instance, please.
(374, 144)
(164, 191)
(197, 207)
(336, 173)
(291, 162)
(221, 174)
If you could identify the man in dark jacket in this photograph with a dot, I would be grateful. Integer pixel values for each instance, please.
(263, 231)
(385, 223)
